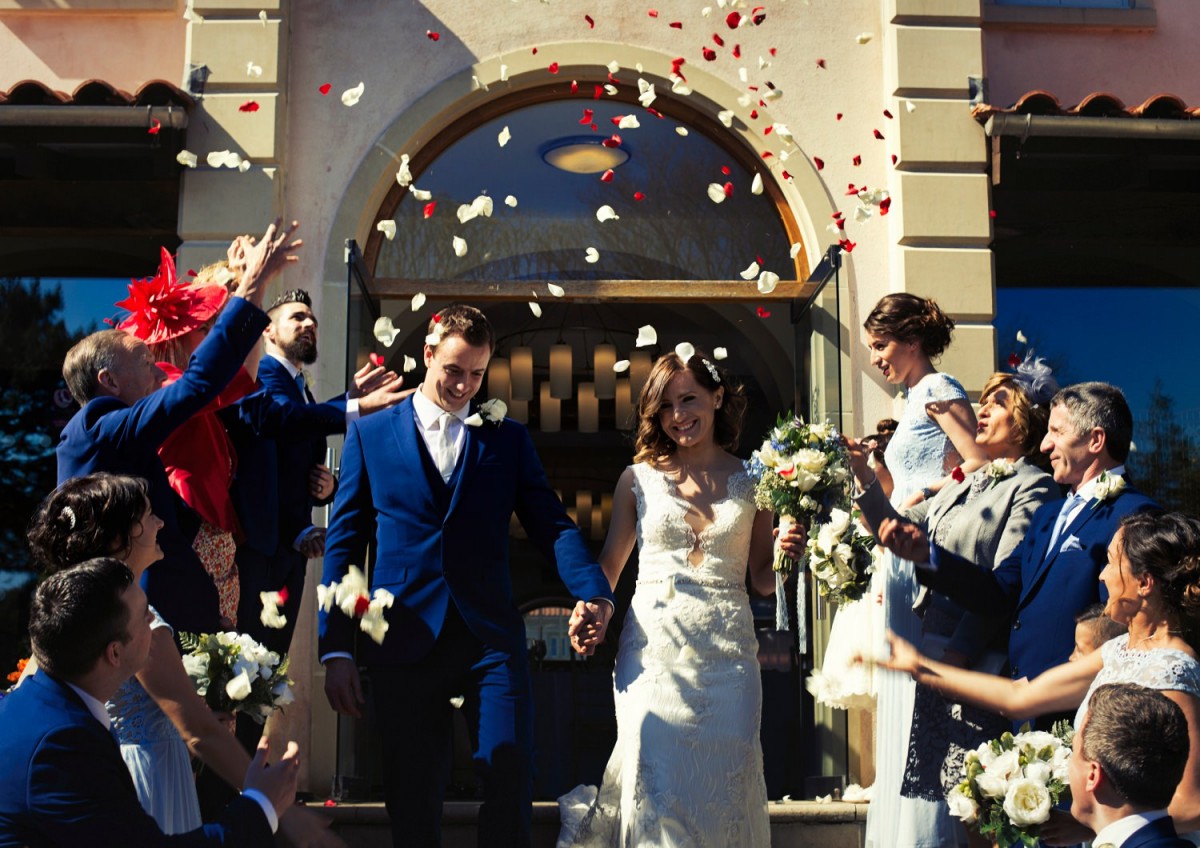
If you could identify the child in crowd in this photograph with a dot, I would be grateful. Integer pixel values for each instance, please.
(1092, 629)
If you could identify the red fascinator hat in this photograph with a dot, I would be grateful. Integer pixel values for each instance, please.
(161, 308)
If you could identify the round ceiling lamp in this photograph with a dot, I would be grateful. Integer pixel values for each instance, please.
(583, 154)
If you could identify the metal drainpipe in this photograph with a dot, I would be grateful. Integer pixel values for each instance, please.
(1027, 126)
(69, 115)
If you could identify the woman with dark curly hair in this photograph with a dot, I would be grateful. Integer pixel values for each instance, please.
(1153, 584)
(687, 767)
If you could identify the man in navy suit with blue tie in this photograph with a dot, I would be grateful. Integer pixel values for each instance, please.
(1128, 757)
(282, 474)
(1054, 573)
(433, 485)
(64, 783)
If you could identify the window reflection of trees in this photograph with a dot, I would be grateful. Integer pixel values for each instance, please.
(676, 232)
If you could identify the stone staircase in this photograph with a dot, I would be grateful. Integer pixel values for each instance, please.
(794, 824)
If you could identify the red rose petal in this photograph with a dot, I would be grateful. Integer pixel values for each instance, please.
(155, 126)
(248, 106)
(597, 92)
(591, 23)
(329, 802)
(1013, 360)
(361, 605)
(894, 160)
(758, 259)
(847, 245)
(851, 189)
(637, 195)
(885, 205)
(653, 13)
(377, 361)
(821, 64)
(607, 176)
(587, 116)
(754, 114)
(841, 224)
(431, 35)
(887, 114)
(616, 119)
(857, 160)
(534, 52)
(574, 87)
(767, 154)
(553, 67)
(768, 130)
(839, 116)
(758, 15)
(429, 207)
(819, 162)
(593, 127)
(786, 176)
(733, 20)
(771, 51)
(613, 79)
(878, 135)
(991, 213)
(762, 313)
(283, 592)
(676, 24)
(720, 42)
(709, 54)
(837, 214)
(655, 112)
(957, 474)
(676, 64)
(725, 170)
(437, 317)
(728, 187)
(737, 51)
(612, 141)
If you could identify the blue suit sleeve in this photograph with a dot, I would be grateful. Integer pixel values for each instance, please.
(979, 589)
(269, 416)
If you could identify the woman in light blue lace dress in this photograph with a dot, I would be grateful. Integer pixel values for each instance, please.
(154, 712)
(936, 434)
(1153, 583)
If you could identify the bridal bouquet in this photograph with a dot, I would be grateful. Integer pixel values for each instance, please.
(840, 557)
(1011, 784)
(234, 673)
(352, 595)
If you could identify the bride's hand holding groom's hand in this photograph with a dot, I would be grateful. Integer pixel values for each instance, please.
(589, 622)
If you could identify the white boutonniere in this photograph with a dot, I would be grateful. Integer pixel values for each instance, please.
(492, 411)
(1000, 469)
(1107, 487)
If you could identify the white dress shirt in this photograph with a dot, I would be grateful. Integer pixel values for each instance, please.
(1117, 832)
(428, 416)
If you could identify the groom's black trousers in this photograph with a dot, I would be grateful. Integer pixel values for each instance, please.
(412, 706)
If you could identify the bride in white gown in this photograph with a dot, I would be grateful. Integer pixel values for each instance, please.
(687, 767)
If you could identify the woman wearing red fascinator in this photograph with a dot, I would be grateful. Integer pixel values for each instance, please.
(173, 318)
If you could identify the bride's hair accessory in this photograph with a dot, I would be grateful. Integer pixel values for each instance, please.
(712, 370)
(69, 514)
(1036, 379)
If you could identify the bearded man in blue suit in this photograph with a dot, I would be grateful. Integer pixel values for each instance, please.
(1054, 573)
(434, 486)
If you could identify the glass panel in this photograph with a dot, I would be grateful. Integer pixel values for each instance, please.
(675, 233)
(1124, 336)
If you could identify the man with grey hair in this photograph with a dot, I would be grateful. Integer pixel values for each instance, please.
(1129, 755)
(1054, 572)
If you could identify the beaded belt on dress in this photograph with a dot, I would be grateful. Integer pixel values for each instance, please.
(706, 582)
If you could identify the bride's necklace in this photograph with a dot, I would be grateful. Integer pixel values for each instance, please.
(1143, 640)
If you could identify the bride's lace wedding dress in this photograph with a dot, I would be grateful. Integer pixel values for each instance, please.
(687, 768)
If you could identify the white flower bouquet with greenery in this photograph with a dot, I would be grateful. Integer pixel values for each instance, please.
(1011, 784)
(840, 557)
(235, 674)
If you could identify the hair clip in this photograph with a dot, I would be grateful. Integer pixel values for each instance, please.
(69, 514)
(712, 369)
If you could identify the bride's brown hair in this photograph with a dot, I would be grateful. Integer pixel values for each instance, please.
(652, 444)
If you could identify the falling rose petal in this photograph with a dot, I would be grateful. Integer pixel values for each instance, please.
(223, 159)
(728, 189)
(431, 35)
(1021, 338)
(504, 73)
(504, 137)
(992, 213)
(410, 364)
(717, 40)
(429, 207)
(613, 67)
(647, 94)
(420, 193)
(481, 205)
(612, 141)
(878, 135)
(821, 64)
(591, 23)
(685, 351)
(743, 74)
(653, 13)
(385, 332)
(751, 271)
(885, 205)
(838, 117)
(607, 176)
(676, 24)
(709, 54)
(894, 159)
(253, 70)
(352, 95)
(720, 353)
(534, 51)
(637, 195)
(771, 50)
(606, 213)
(678, 87)
(733, 20)
(510, 202)
(677, 63)
(478, 85)
(535, 308)
(588, 114)
(418, 300)
(725, 116)
(767, 281)
(756, 186)
(786, 176)
(762, 313)
(574, 86)
(628, 122)
(716, 192)
(591, 255)
(784, 133)
(737, 51)
(249, 106)
(758, 14)
(326, 88)
(682, 131)
(862, 214)
(187, 159)
(725, 169)
(910, 106)
(403, 175)
(388, 228)
(819, 162)
(847, 245)
(610, 90)
(557, 291)
(1013, 360)
(864, 37)
(375, 358)
(857, 160)
(460, 246)
(155, 126)
(794, 250)
(553, 68)
(646, 336)
(621, 366)
(887, 114)
(262, 17)
(706, 12)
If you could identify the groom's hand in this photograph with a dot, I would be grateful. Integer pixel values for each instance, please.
(589, 622)
(343, 688)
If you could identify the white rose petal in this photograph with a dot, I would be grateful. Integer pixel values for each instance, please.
(504, 137)
(681, 131)
(420, 193)
(591, 255)
(403, 175)
(621, 366)
(647, 95)
(418, 300)
(557, 291)
(756, 186)
(767, 281)
(473, 420)
(460, 246)
(535, 308)
(1022, 338)
(606, 213)
(684, 351)
(481, 205)
(716, 192)
(613, 66)
(478, 85)
(388, 228)
(352, 95)
(725, 116)
(385, 331)
(253, 70)
(751, 271)
(187, 158)
(720, 353)
(910, 106)
(628, 122)
(510, 201)
(610, 89)
(864, 37)
(794, 250)
(504, 73)
(262, 16)
(646, 336)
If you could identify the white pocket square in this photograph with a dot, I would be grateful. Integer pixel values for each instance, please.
(1071, 544)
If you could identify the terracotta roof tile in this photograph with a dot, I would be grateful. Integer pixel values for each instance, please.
(95, 92)
(1098, 104)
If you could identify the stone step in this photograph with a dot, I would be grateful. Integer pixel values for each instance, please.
(794, 824)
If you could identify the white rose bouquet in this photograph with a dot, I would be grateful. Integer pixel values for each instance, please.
(234, 673)
(1011, 784)
(840, 557)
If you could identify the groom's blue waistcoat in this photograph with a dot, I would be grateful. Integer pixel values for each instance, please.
(437, 543)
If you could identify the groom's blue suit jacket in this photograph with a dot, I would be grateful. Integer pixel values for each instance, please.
(63, 782)
(436, 546)
(1040, 594)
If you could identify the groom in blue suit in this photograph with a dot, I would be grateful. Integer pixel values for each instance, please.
(1054, 572)
(433, 485)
